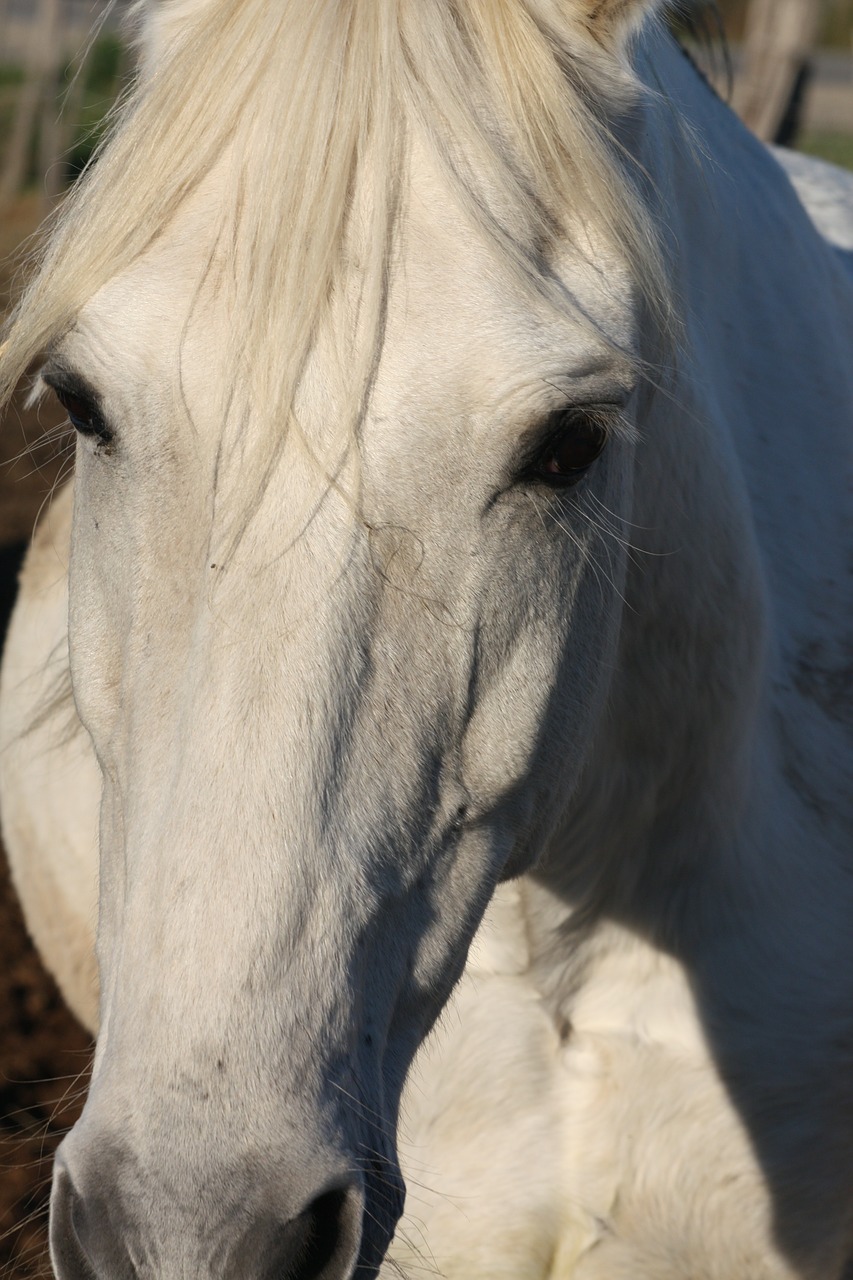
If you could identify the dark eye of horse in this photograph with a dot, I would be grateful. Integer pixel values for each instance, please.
(84, 417)
(578, 438)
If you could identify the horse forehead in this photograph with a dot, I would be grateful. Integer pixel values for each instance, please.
(457, 284)
(467, 337)
(463, 330)
(133, 329)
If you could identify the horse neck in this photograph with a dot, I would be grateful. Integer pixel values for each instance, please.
(673, 805)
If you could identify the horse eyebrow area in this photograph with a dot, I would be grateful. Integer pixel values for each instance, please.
(60, 376)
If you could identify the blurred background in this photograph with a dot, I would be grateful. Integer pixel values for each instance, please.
(786, 66)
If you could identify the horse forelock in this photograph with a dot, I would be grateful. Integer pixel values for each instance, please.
(314, 100)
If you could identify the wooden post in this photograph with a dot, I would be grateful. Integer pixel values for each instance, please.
(39, 80)
(780, 35)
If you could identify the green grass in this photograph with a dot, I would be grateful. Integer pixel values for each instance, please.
(89, 131)
(835, 147)
(103, 75)
(104, 65)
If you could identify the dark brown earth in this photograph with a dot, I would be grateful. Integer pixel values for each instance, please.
(44, 1053)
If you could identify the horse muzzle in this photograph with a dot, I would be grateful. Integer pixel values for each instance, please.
(333, 1234)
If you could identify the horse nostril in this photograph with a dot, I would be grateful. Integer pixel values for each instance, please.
(322, 1242)
(69, 1258)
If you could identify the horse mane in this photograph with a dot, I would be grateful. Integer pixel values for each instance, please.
(313, 100)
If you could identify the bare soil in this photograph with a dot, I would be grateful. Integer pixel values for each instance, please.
(44, 1053)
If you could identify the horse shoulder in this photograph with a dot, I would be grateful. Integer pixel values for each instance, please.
(658, 1160)
(50, 783)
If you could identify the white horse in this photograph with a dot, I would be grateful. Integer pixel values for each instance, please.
(463, 402)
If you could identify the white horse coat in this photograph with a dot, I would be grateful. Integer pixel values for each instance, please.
(646, 1071)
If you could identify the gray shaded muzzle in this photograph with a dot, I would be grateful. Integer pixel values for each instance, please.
(341, 1229)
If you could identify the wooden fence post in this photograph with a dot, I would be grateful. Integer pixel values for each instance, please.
(40, 81)
(780, 35)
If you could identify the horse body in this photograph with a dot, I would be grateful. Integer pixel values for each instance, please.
(644, 1069)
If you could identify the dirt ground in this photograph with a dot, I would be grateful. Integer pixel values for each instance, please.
(44, 1053)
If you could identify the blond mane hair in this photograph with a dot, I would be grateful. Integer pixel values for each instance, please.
(314, 97)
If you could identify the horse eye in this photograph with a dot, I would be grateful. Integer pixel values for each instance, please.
(579, 437)
(84, 417)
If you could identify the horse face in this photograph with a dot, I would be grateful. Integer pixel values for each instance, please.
(332, 711)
